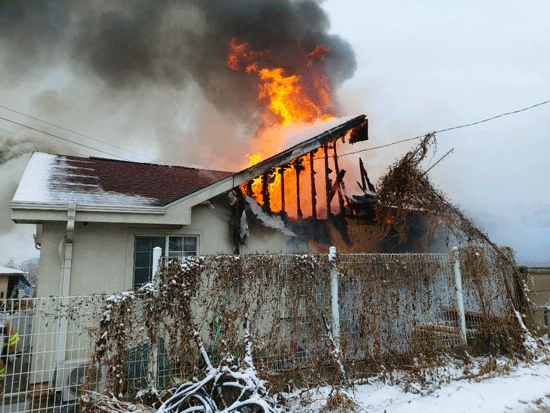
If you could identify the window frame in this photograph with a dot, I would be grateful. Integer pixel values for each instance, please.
(166, 251)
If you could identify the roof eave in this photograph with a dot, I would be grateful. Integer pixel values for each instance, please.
(260, 168)
(39, 212)
(51, 206)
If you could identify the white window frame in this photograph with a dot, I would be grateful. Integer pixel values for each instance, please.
(166, 250)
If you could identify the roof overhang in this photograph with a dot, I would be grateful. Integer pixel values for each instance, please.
(36, 213)
(11, 271)
(279, 159)
(176, 213)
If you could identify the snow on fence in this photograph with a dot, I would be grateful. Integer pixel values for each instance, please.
(388, 307)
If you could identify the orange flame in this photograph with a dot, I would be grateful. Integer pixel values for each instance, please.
(254, 159)
(284, 94)
(239, 51)
(285, 97)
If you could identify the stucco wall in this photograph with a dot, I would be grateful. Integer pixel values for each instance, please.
(103, 254)
(103, 262)
(538, 282)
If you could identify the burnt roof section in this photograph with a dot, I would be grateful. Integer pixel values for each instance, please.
(358, 126)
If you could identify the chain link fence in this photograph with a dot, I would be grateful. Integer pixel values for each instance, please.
(386, 309)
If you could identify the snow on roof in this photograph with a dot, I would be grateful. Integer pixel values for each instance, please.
(57, 179)
(10, 271)
(96, 181)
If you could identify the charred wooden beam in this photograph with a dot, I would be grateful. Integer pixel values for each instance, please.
(236, 200)
(298, 167)
(282, 173)
(360, 133)
(365, 181)
(266, 205)
(341, 185)
(337, 185)
(328, 183)
(248, 190)
(313, 190)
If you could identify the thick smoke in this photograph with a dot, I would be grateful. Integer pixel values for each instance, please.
(13, 147)
(128, 44)
(150, 75)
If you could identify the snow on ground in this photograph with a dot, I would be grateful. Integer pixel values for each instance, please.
(525, 389)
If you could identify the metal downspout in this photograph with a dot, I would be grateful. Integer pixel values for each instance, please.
(66, 257)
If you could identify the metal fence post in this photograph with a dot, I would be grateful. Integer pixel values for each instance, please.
(153, 352)
(157, 252)
(459, 296)
(334, 299)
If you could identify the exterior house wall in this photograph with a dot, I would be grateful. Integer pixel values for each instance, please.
(49, 269)
(103, 262)
(538, 282)
(4, 287)
(103, 254)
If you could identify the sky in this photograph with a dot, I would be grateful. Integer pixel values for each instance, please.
(412, 67)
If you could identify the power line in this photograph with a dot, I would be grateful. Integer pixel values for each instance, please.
(76, 133)
(447, 129)
(7, 131)
(494, 117)
(64, 139)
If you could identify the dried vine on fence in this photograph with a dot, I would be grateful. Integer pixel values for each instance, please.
(395, 310)
(406, 190)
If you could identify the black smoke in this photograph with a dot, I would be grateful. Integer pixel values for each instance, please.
(131, 43)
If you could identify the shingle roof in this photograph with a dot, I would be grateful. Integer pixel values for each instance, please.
(97, 181)
(62, 179)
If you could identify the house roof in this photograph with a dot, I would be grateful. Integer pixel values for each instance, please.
(51, 182)
(10, 271)
(62, 179)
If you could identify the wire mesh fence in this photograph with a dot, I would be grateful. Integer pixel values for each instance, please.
(389, 307)
(53, 352)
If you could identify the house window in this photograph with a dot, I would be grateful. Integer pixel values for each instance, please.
(181, 246)
(177, 246)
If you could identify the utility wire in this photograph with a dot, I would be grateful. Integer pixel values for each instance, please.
(63, 139)
(320, 158)
(446, 130)
(7, 131)
(76, 133)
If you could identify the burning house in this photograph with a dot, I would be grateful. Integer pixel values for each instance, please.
(109, 214)
(98, 219)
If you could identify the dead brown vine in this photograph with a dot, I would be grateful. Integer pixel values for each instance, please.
(406, 189)
(386, 302)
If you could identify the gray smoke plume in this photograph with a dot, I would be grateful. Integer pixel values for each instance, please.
(12, 147)
(150, 75)
(172, 42)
